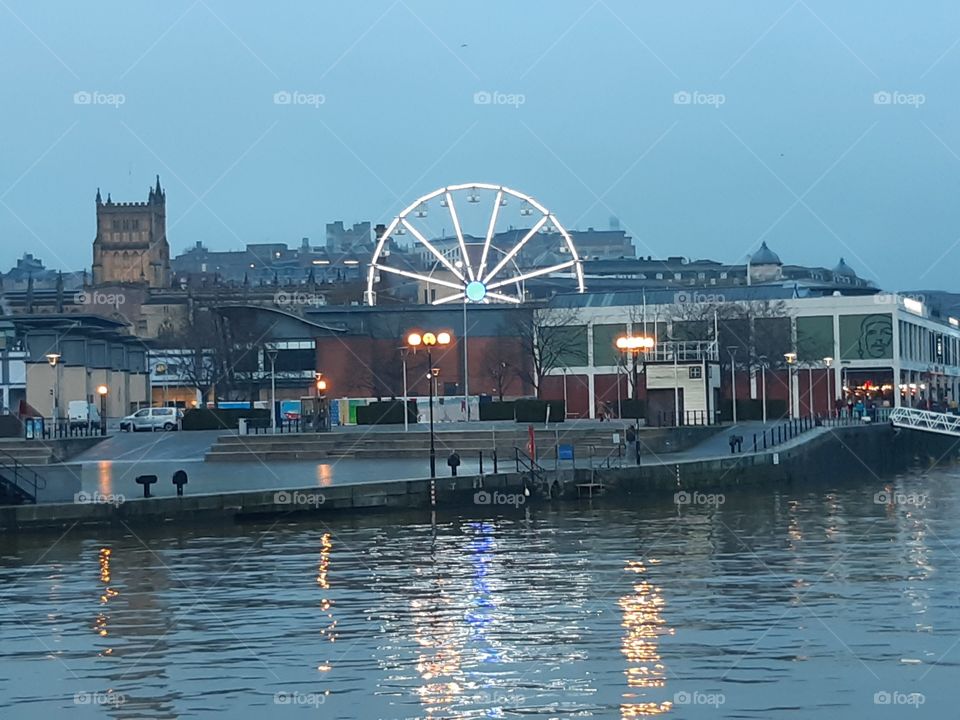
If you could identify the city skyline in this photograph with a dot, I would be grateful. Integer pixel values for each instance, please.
(798, 124)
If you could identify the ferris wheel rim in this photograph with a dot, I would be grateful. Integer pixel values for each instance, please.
(481, 276)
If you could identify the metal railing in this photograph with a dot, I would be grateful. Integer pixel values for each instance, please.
(668, 418)
(609, 457)
(935, 422)
(536, 473)
(22, 477)
(61, 428)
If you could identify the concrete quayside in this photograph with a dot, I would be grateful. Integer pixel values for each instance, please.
(808, 456)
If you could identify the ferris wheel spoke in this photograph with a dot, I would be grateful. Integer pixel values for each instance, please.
(418, 276)
(516, 248)
(449, 298)
(504, 298)
(459, 231)
(430, 246)
(490, 230)
(532, 274)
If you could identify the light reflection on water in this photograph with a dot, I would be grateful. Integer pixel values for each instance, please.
(769, 604)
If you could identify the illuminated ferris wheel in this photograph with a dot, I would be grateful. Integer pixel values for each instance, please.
(489, 266)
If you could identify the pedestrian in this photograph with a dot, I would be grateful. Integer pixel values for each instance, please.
(454, 462)
(739, 443)
(733, 444)
(631, 434)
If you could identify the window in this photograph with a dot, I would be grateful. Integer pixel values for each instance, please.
(723, 275)
(701, 276)
(677, 276)
(659, 276)
(696, 372)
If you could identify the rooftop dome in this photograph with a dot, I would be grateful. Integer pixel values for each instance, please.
(844, 270)
(765, 256)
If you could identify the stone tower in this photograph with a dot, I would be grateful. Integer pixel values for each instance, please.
(131, 243)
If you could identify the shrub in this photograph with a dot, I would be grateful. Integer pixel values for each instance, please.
(221, 418)
(536, 410)
(497, 410)
(389, 412)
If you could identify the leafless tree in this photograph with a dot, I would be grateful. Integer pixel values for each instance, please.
(549, 340)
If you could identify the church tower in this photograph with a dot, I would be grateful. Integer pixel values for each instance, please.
(131, 243)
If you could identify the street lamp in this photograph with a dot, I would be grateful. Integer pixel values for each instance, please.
(831, 403)
(791, 358)
(54, 359)
(320, 415)
(429, 341)
(272, 353)
(732, 350)
(634, 345)
(102, 391)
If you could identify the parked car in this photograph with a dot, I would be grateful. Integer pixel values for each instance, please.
(81, 413)
(158, 418)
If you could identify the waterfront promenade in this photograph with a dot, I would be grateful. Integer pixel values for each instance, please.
(112, 466)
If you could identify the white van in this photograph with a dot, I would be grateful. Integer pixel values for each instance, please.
(158, 418)
(81, 413)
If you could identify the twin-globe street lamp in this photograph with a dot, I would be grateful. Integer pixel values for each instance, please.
(54, 359)
(429, 340)
(634, 345)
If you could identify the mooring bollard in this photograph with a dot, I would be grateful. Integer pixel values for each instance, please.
(180, 479)
(481, 462)
(494, 461)
(146, 481)
(454, 462)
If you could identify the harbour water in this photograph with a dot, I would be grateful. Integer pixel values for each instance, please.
(838, 600)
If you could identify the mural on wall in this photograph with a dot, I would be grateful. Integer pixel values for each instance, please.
(866, 337)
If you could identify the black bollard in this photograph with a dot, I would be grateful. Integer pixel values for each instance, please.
(146, 481)
(180, 479)
(494, 461)
(481, 462)
(454, 462)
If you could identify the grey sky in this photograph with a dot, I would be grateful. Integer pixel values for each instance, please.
(799, 153)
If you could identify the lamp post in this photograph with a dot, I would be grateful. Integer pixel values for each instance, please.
(406, 399)
(732, 350)
(102, 391)
(54, 359)
(791, 358)
(634, 345)
(430, 340)
(321, 417)
(763, 385)
(828, 361)
(272, 356)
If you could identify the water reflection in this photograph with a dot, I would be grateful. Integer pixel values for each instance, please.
(327, 632)
(643, 623)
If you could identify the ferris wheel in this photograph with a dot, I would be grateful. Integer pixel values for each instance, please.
(489, 266)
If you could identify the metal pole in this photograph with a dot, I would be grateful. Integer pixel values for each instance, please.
(636, 406)
(466, 374)
(273, 393)
(763, 390)
(733, 383)
(406, 400)
(433, 449)
(565, 411)
(810, 389)
(676, 389)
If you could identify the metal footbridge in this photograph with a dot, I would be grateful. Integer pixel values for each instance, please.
(917, 419)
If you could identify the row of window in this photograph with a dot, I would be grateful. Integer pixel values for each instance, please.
(920, 344)
(126, 224)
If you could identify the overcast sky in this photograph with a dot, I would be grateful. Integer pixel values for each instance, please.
(704, 127)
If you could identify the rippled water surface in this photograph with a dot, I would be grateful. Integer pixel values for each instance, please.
(830, 602)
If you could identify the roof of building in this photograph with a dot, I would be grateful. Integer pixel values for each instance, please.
(765, 256)
(843, 269)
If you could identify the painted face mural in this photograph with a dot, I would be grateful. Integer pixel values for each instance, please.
(876, 337)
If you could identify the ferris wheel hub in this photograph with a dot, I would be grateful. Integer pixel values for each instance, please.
(476, 291)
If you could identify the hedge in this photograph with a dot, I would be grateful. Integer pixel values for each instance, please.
(753, 409)
(497, 410)
(631, 409)
(536, 410)
(389, 412)
(221, 418)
